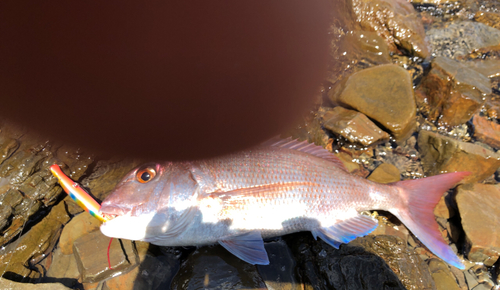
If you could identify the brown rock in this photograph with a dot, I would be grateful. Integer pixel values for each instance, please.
(385, 173)
(7, 284)
(451, 93)
(388, 228)
(351, 166)
(492, 108)
(486, 131)
(353, 126)
(91, 256)
(17, 256)
(396, 21)
(441, 154)
(443, 277)
(443, 209)
(79, 226)
(63, 267)
(383, 93)
(488, 18)
(478, 205)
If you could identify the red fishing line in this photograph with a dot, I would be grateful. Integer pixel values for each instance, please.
(109, 261)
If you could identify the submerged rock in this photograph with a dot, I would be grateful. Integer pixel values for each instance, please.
(383, 93)
(488, 18)
(7, 284)
(394, 20)
(442, 275)
(451, 93)
(385, 173)
(441, 154)
(460, 38)
(353, 126)
(478, 205)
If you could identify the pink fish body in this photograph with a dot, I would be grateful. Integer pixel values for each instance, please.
(283, 187)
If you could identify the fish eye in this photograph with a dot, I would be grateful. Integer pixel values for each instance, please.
(145, 175)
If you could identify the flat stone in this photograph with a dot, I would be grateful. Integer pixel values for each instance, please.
(394, 20)
(486, 131)
(442, 275)
(64, 268)
(478, 205)
(79, 226)
(460, 38)
(488, 67)
(91, 256)
(451, 93)
(383, 93)
(441, 154)
(443, 208)
(354, 126)
(488, 18)
(385, 173)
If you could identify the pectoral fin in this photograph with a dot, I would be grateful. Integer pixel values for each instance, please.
(249, 247)
(346, 231)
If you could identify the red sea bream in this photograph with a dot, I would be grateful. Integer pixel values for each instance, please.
(282, 187)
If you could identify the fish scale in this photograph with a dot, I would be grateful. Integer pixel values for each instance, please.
(278, 188)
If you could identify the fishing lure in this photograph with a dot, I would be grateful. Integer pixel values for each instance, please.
(78, 194)
(81, 197)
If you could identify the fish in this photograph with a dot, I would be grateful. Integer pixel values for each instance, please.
(280, 187)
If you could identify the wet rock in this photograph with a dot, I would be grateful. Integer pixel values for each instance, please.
(352, 167)
(451, 93)
(385, 173)
(18, 258)
(460, 38)
(212, 267)
(63, 268)
(380, 262)
(443, 278)
(7, 284)
(443, 208)
(353, 126)
(486, 131)
(91, 256)
(488, 18)
(356, 50)
(106, 176)
(478, 205)
(390, 227)
(280, 273)
(310, 129)
(394, 20)
(404, 157)
(489, 67)
(441, 154)
(79, 226)
(152, 273)
(383, 93)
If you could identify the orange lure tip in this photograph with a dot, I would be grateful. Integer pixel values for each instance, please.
(77, 193)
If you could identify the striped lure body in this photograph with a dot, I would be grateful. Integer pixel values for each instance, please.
(281, 187)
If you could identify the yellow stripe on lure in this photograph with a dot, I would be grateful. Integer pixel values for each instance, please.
(78, 194)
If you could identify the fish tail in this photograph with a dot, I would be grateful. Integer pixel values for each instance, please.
(421, 197)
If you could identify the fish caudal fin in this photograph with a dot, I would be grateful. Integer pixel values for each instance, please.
(421, 197)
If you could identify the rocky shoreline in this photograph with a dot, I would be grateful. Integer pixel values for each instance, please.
(413, 90)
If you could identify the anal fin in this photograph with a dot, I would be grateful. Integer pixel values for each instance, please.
(346, 231)
(249, 247)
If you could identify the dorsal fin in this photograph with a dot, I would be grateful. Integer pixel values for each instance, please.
(306, 147)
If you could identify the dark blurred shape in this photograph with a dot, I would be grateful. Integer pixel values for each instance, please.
(161, 79)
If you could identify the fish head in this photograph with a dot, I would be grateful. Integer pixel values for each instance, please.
(149, 201)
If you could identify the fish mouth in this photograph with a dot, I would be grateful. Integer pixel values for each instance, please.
(110, 211)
